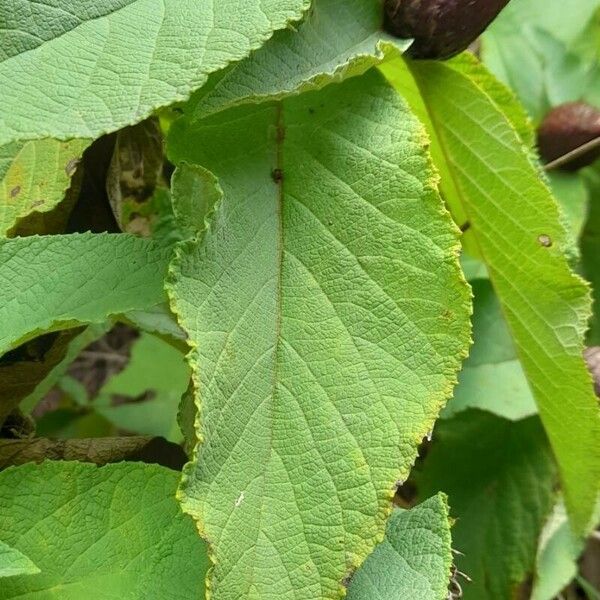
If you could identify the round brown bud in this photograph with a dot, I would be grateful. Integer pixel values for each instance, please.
(567, 127)
(440, 28)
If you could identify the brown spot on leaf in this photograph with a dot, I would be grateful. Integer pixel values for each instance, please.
(15, 191)
(277, 175)
(545, 240)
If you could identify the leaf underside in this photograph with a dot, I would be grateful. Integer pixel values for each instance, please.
(117, 77)
(337, 39)
(328, 318)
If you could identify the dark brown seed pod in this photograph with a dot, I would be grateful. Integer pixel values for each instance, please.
(440, 28)
(567, 127)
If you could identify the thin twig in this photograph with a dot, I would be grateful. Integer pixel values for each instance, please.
(575, 153)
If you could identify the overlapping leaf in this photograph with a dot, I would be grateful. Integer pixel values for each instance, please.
(336, 40)
(328, 318)
(109, 533)
(498, 475)
(34, 176)
(414, 559)
(55, 282)
(13, 562)
(80, 69)
(517, 228)
(557, 555)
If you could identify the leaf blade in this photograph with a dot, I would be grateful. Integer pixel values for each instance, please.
(291, 302)
(88, 45)
(57, 282)
(522, 239)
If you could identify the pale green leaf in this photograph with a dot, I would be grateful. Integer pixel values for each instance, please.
(571, 193)
(156, 319)
(34, 176)
(13, 562)
(535, 47)
(109, 532)
(328, 318)
(414, 559)
(492, 377)
(557, 555)
(155, 368)
(73, 68)
(336, 40)
(499, 476)
(55, 282)
(518, 229)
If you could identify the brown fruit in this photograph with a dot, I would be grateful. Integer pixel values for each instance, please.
(440, 28)
(567, 127)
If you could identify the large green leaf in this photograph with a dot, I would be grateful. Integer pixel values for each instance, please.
(106, 533)
(328, 318)
(520, 235)
(13, 562)
(55, 282)
(336, 40)
(80, 69)
(499, 476)
(34, 176)
(414, 559)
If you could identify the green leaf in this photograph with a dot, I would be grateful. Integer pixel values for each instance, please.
(492, 377)
(55, 282)
(34, 176)
(536, 47)
(520, 235)
(155, 368)
(114, 532)
(414, 559)
(571, 193)
(80, 69)
(13, 562)
(327, 316)
(557, 555)
(498, 475)
(336, 40)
